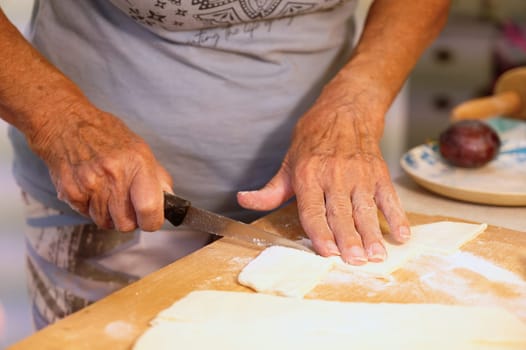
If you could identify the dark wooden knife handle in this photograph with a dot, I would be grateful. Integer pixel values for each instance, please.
(175, 208)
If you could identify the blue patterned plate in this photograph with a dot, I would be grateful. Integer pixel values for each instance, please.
(500, 182)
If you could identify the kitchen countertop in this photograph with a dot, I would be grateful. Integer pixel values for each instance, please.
(417, 199)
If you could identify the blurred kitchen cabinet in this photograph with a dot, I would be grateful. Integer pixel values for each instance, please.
(461, 64)
(457, 67)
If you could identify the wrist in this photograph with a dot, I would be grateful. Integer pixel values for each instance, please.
(51, 114)
(359, 99)
(363, 84)
(44, 114)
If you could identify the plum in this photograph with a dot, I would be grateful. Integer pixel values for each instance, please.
(469, 144)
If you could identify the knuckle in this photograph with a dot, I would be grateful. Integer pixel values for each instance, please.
(88, 180)
(307, 167)
(300, 174)
(148, 208)
(338, 207)
(74, 197)
(150, 218)
(125, 226)
(371, 235)
(336, 169)
(151, 227)
(310, 212)
(319, 246)
(367, 165)
(349, 238)
(123, 223)
(76, 200)
(386, 193)
(362, 208)
(101, 222)
(111, 166)
(370, 241)
(334, 163)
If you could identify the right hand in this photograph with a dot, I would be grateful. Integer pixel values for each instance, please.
(102, 169)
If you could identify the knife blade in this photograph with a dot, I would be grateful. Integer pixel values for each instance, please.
(179, 211)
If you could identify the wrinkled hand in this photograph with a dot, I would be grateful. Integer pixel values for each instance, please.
(335, 168)
(103, 170)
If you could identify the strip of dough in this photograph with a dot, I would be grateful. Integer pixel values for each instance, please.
(232, 320)
(290, 272)
(445, 237)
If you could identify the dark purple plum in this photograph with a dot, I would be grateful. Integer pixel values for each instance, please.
(469, 144)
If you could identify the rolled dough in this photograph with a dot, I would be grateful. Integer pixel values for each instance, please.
(232, 320)
(293, 273)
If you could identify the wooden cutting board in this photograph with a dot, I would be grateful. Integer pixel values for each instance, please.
(490, 270)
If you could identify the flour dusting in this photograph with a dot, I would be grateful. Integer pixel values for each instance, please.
(339, 276)
(472, 280)
(119, 330)
(481, 266)
(239, 261)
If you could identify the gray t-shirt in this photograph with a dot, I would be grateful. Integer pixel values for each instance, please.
(214, 87)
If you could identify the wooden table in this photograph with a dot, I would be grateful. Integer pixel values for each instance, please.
(116, 321)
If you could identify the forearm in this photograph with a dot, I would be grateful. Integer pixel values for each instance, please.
(394, 36)
(97, 164)
(33, 93)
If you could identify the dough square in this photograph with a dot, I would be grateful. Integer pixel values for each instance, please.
(284, 271)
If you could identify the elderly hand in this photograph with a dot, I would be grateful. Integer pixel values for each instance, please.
(98, 165)
(334, 165)
(335, 169)
(102, 169)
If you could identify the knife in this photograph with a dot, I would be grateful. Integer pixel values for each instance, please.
(179, 211)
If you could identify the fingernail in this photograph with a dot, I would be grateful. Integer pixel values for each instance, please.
(376, 252)
(332, 248)
(356, 256)
(404, 233)
(244, 193)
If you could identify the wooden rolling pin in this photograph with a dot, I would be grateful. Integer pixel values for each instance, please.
(509, 99)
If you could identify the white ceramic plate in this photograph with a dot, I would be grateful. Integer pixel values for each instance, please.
(500, 182)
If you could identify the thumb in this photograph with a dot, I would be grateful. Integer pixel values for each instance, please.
(276, 192)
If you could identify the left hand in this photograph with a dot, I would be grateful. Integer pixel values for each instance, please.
(335, 168)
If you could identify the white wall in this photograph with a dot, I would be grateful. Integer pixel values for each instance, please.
(18, 11)
(14, 300)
